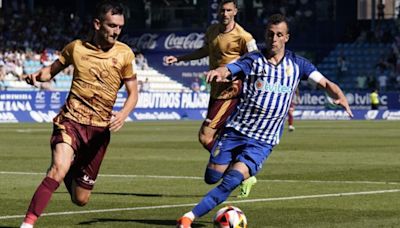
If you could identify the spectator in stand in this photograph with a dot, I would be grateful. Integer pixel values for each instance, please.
(361, 81)
(146, 86)
(141, 62)
(204, 86)
(382, 79)
(341, 68)
(45, 59)
(2, 76)
(195, 86)
(140, 86)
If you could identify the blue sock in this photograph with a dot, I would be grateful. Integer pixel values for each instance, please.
(219, 194)
(212, 176)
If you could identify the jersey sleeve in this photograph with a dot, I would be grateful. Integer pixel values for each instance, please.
(129, 70)
(244, 64)
(66, 54)
(306, 68)
(250, 42)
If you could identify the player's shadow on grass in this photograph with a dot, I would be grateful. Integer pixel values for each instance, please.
(136, 194)
(143, 221)
(144, 194)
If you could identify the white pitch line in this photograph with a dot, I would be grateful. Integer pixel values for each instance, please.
(201, 178)
(26, 130)
(193, 204)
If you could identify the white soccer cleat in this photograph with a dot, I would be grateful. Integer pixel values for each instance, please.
(291, 128)
(26, 225)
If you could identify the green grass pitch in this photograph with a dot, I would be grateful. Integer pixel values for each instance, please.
(325, 174)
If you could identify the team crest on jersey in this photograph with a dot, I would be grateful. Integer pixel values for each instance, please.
(216, 151)
(289, 70)
(114, 61)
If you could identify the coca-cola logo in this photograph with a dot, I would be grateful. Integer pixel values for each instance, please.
(147, 41)
(190, 41)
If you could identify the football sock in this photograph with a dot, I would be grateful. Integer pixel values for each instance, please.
(290, 119)
(212, 176)
(190, 215)
(40, 199)
(219, 194)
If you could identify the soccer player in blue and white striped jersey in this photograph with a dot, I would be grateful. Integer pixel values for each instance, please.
(269, 84)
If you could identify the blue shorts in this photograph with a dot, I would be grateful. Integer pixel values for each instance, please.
(234, 146)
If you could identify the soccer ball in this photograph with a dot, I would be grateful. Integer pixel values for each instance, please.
(230, 217)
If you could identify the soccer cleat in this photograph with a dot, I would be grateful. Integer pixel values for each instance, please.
(291, 128)
(184, 222)
(245, 187)
(26, 225)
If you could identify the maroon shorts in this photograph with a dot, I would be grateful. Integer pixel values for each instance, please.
(89, 144)
(219, 111)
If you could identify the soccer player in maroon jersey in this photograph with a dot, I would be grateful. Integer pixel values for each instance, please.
(81, 131)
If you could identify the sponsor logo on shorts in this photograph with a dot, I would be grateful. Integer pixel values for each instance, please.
(88, 180)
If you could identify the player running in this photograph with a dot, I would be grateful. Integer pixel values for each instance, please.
(81, 131)
(269, 83)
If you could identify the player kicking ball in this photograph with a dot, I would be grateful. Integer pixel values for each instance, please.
(269, 81)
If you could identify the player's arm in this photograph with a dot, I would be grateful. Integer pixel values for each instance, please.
(332, 89)
(44, 74)
(118, 118)
(230, 71)
(197, 54)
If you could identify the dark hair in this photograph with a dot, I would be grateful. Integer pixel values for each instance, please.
(223, 2)
(103, 7)
(275, 19)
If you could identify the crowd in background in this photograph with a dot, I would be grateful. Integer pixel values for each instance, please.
(38, 36)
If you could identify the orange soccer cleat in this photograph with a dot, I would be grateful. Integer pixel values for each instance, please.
(184, 222)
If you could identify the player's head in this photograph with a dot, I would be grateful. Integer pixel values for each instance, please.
(227, 11)
(276, 33)
(108, 22)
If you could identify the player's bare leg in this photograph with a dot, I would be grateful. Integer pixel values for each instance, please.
(207, 137)
(80, 196)
(62, 156)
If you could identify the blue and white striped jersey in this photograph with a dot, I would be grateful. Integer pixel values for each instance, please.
(267, 92)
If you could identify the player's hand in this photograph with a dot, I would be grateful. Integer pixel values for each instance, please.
(219, 75)
(31, 79)
(170, 59)
(343, 102)
(117, 121)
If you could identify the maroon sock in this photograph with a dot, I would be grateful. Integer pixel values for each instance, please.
(41, 197)
(290, 119)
